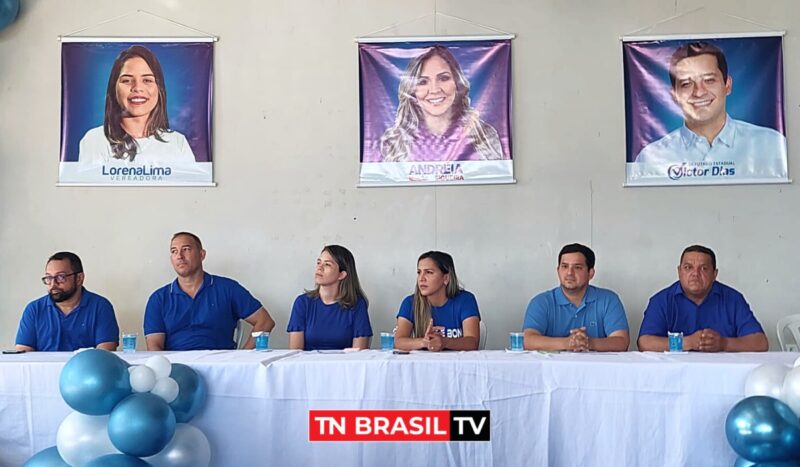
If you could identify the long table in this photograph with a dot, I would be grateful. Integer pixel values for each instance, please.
(637, 409)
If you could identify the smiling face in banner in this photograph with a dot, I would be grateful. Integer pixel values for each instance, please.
(136, 102)
(137, 92)
(119, 128)
(435, 112)
(435, 120)
(700, 89)
(692, 129)
(435, 92)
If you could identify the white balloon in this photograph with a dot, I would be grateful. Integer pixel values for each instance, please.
(188, 448)
(160, 365)
(143, 378)
(766, 380)
(790, 394)
(81, 438)
(166, 388)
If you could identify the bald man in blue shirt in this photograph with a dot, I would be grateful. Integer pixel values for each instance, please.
(199, 311)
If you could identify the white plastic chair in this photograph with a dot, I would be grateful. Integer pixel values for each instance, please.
(482, 341)
(789, 323)
(241, 333)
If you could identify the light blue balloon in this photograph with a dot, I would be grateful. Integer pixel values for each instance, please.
(94, 381)
(191, 392)
(141, 425)
(742, 462)
(46, 458)
(188, 448)
(763, 429)
(8, 12)
(118, 460)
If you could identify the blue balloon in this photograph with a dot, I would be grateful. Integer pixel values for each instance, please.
(742, 462)
(763, 429)
(94, 381)
(46, 458)
(191, 392)
(8, 12)
(141, 425)
(117, 460)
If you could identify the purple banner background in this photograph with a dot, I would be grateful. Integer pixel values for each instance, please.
(755, 65)
(486, 64)
(187, 68)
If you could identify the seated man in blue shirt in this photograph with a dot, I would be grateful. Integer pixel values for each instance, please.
(198, 310)
(575, 315)
(69, 317)
(700, 82)
(712, 316)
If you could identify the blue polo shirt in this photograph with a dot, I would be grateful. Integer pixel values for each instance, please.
(45, 328)
(328, 326)
(204, 322)
(553, 315)
(723, 310)
(447, 318)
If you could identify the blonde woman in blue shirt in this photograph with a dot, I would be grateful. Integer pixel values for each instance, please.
(440, 315)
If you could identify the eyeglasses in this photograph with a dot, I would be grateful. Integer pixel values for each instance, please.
(59, 278)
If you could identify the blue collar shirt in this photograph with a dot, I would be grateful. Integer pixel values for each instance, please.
(204, 322)
(553, 315)
(46, 328)
(724, 310)
(752, 151)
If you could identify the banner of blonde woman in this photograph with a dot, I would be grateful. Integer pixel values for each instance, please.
(136, 112)
(435, 112)
(704, 110)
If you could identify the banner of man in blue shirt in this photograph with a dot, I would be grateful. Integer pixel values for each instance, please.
(705, 111)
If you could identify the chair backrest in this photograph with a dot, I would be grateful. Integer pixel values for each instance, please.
(482, 341)
(241, 333)
(789, 323)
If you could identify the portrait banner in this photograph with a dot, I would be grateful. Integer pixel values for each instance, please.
(435, 112)
(136, 112)
(704, 110)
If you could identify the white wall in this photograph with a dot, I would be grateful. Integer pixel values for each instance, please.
(286, 150)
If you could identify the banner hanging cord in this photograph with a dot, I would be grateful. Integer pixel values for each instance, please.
(665, 20)
(435, 15)
(695, 10)
(146, 13)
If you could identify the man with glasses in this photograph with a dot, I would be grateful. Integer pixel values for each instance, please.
(199, 311)
(69, 317)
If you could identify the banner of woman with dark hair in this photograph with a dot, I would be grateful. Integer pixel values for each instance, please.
(704, 110)
(136, 112)
(435, 112)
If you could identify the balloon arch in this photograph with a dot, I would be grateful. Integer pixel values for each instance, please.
(127, 416)
(763, 428)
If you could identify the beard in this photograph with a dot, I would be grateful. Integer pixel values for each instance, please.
(59, 296)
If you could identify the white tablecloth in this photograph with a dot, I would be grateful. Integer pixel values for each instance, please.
(638, 409)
